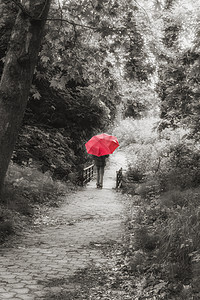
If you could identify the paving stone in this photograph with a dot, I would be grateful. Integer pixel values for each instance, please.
(35, 287)
(25, 278)
(27, 297)
(8, 276)
(2, 290)
(9, 280)
(7, 295)
(20, 291)
(28, 282)
(18, 285)
(3, 269)
(39, 293)
(33, 251)
(22, 273)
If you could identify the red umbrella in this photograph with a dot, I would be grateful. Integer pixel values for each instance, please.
(102, 144)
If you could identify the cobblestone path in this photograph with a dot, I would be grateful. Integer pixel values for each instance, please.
(63, 246)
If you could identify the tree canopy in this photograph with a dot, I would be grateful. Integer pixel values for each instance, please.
(98, 54)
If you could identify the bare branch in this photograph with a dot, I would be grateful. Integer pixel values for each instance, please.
(61, 12)
(26, 12)
(23, 9)
(42, 10)
(142, 9)
(72, 23)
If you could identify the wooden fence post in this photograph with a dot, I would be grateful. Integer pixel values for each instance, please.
(119, 177)
(87, 174)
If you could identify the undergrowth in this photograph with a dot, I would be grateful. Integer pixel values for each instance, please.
(25, 188)
(164, 234)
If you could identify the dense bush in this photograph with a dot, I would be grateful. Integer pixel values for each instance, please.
(73, 88)
(183, 167)
(180, 234)
(49, 148)
(27, 185)
(134, 174)
(6, 228)
(171, 156)
(164, 230)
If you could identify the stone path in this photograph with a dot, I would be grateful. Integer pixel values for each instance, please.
(59, 249)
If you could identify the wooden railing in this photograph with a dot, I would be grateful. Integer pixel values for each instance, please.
(87, 174)
(119, 178)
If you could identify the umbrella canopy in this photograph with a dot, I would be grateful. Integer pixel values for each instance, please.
(102, 144)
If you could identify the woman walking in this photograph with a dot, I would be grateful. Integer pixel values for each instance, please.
(100, 162)
(100, 146)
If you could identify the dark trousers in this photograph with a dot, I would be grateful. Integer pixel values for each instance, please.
(100, 173)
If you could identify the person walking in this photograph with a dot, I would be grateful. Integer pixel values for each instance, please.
(100, 162)
(100, 146)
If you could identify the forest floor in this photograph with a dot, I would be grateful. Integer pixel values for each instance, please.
(73, 251)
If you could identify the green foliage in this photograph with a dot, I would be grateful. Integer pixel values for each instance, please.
(149, 189)
(179, 93)
(136, 132)
(8, 13)
(31, 186)
(134, 174)
(180, 234)
(48, 147)
(174, 198)
(167, 160)
(178, 72)
(171, 33)
(76, 82)
(138, 100)
(6, 228)
(145, 240)
(137, 66)
(166, 232)
(165, 224)
(182, 166)
(87, 53)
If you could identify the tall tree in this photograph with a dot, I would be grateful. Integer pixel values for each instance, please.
(17, 74)
(179, 76)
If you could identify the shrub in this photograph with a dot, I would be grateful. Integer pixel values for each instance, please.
(149, 189)
(180, 238)
(145, 240)
(170, 155)
(134, 174)
(136, 261)
(16, 199)
(173, 198)
(6, 225)
(131, 179)
(26, 184)
(133, 131)
(6, 228)
(169, 214)
(181, 167)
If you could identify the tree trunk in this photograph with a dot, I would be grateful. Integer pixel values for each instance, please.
(17, 74)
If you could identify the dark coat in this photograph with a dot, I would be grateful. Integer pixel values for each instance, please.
(100, 161)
